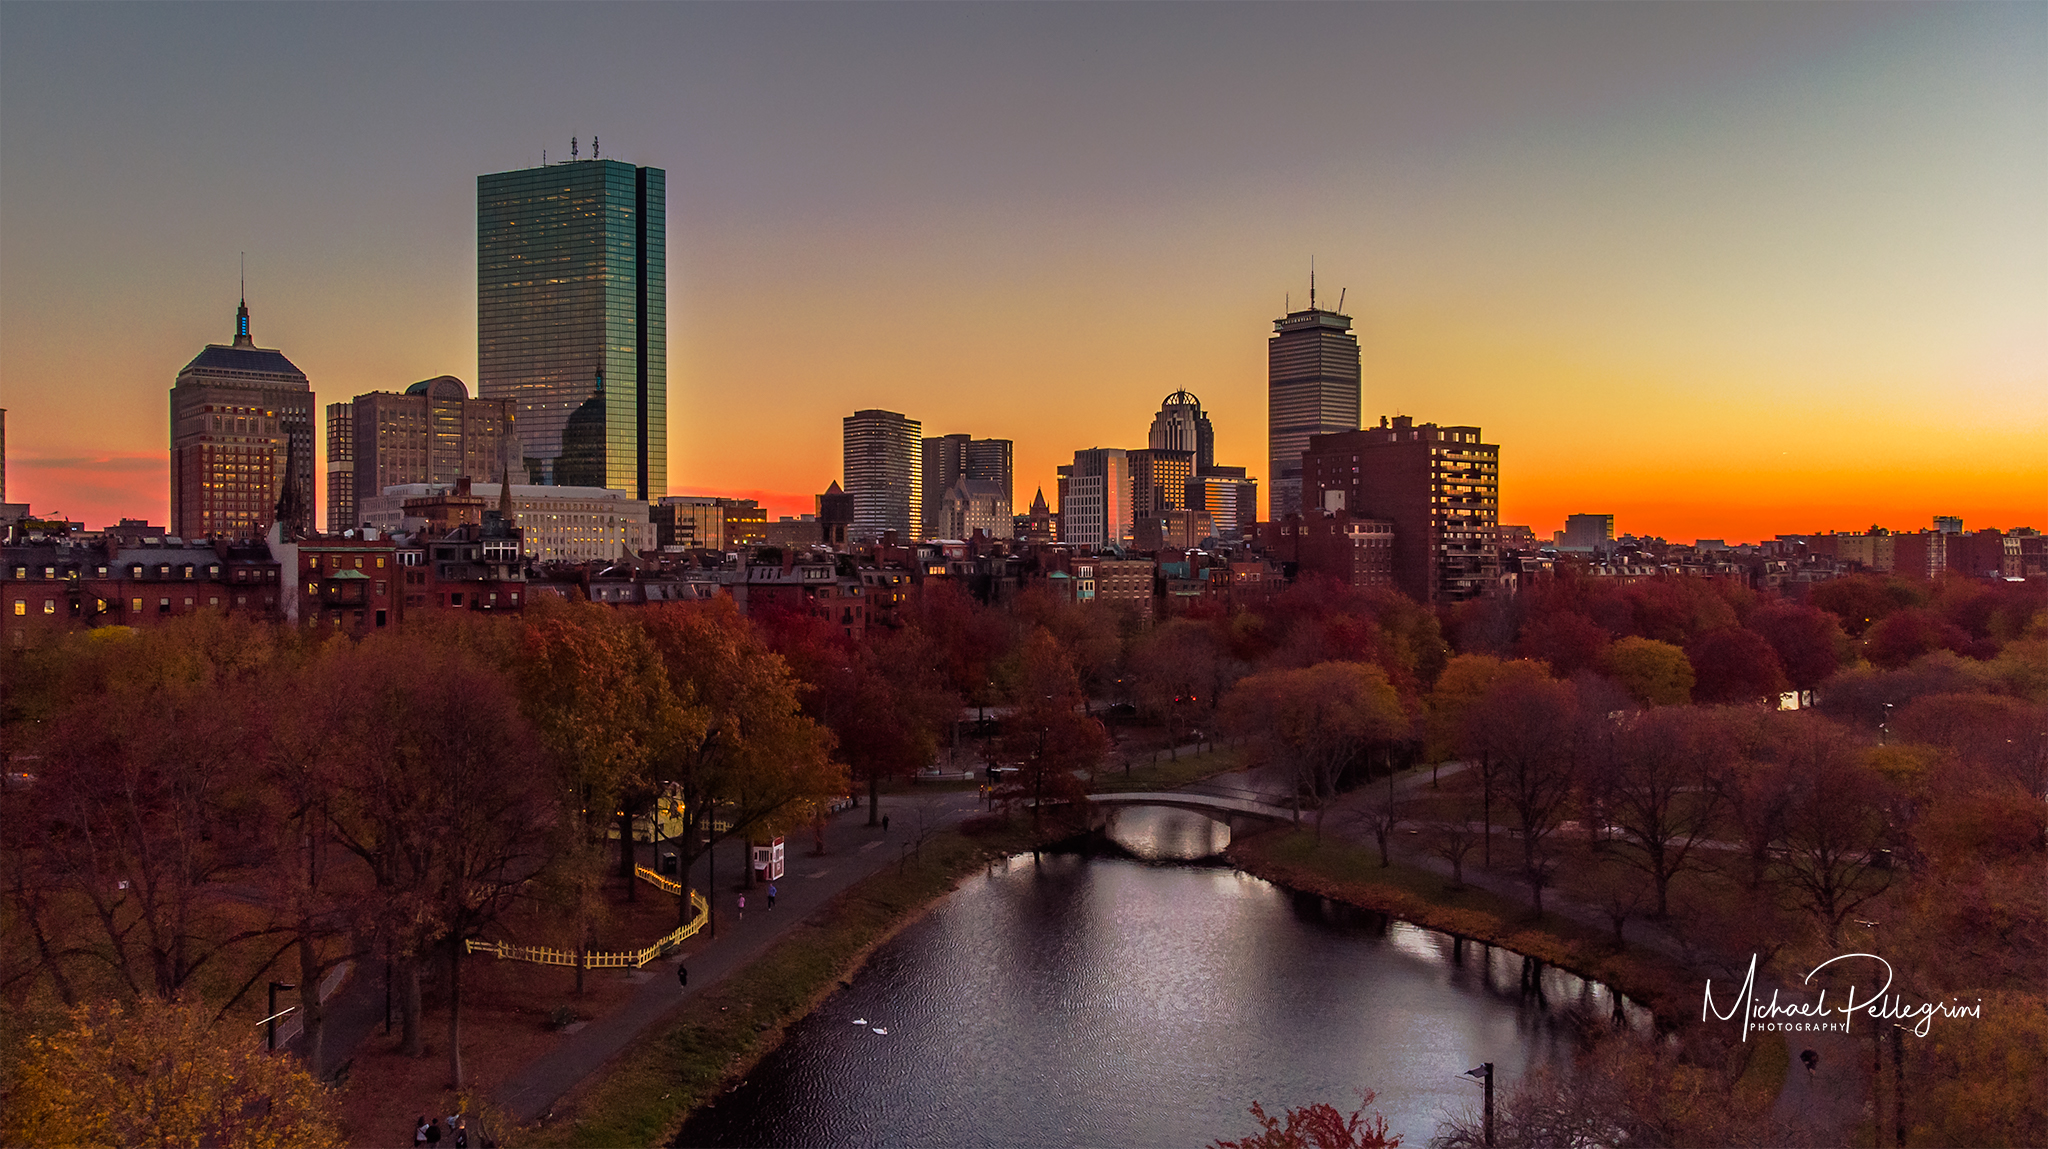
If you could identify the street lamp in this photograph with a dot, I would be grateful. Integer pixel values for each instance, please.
(1884, 726)
(1484, 1072)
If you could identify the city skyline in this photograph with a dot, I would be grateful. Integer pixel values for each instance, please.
(1721, 272)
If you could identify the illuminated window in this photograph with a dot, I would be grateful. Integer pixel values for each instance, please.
(20, 607)
(49, 606)
(135, 604)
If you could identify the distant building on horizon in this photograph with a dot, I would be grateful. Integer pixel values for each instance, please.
(1159, 487)
(884, 466)
(1438, 486)
(558, 524)
(433, 432)
(1182, 425)
(572, 319)
(1095, 498)
(1586, 533)
(241, 441)
(950, 458)
(1313, 387)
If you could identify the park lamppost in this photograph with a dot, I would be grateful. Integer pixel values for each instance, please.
(1884, 726)
(1484, 1072)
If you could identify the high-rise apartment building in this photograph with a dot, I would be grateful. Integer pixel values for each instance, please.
(432, 433)
(1095, 498)
(241, 441)
(885, 474)
(1313, 388)
(1182, 425)
(1439, 486)
(572, 319)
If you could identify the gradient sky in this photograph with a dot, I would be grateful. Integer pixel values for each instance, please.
(1723, 270)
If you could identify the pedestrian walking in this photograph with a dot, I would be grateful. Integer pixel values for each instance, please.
(461, 1134)
(743, 907)
(419, 1132)
(885, 823)
(682, 975)
(434, 1131)
(771, 895)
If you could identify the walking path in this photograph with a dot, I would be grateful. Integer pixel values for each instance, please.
(853, 851)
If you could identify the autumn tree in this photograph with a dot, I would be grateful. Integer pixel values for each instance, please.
(597, 695)
(1089, 634)
(1904, 635)
(1567, 640)
(1734, 666)
(1319, 720)
(1049, 730)
(440, 788)
(158, 1072)
(1808, 641)
(1462, 704)
(1179, 670)
(1654, 673)
(739, 749)
(883, 697)
(145, 783)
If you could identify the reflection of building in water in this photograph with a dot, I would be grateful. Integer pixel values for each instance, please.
(1167, 834)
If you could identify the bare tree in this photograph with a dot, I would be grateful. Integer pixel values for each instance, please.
(1532, 727)
(1662, 787)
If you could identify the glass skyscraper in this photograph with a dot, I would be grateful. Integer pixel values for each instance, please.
(572, 319)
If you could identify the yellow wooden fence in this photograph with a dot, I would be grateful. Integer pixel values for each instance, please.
(633, 959)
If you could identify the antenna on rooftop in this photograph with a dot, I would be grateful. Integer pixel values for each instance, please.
(572, 147)
(593, 147)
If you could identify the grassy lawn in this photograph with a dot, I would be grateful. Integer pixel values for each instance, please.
(1168, 773)
(643, 1097)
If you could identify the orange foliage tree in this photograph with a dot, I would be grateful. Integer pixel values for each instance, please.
(158, 1073)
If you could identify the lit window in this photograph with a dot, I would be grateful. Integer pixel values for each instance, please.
(20, 607)
(49, 606)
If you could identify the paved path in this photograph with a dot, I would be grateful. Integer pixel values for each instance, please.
(853, 851)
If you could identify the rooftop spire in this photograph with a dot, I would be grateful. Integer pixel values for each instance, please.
(242, 336)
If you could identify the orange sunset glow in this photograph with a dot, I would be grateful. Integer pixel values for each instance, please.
(1722, 271)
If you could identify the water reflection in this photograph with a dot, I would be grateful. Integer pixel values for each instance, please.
(1079, 1001)
(1167, 833)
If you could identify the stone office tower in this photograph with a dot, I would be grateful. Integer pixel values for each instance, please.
(1313, 388)
(241, 441)
(572, 319)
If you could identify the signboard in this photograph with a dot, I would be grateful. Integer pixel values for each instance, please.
(768, 861)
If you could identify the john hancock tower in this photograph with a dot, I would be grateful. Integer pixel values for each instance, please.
(572, 319)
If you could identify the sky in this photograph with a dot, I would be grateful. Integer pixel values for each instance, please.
(1721, 270)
